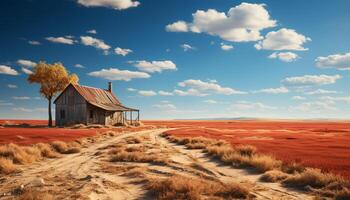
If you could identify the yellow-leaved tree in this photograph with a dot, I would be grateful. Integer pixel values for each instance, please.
(53, 78)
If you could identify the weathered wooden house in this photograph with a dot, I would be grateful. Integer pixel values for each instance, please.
(79, 104)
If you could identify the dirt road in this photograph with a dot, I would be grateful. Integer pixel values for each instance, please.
(90, 174)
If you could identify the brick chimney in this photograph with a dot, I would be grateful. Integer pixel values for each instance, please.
(110, 86)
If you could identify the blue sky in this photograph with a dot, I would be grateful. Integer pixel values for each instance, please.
(184, 58)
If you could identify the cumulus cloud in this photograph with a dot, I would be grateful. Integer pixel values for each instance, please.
(33, 42)
(22, 109)
(94, 42)
(278, 90)
(284, 56)
(12, 86)
(26, 63)
(63, 40)
(241, 23)
(209, 87)
(116, 74)
(321, 91)
(147, 93)
(7, 70)
(154, 66)
(123, 52)
(226, 47)
(92, 31)
(165, 106)
(179, 26)
(337, 61)
(190, 92)
(345, 99)
(187, 47)
(165, 93)
(245, 105)
(114, 4)
(21, 98)
(283, 39)
(298, 98)
(313, 107)
(131, 90)
(210, 101)
(309, 80)
(79, 66)
(26, 71)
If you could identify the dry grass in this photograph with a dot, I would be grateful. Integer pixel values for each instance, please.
(245, 150)
(7, 166)
(292, 168)
(179, 187)
(31, 194)
(64, 148)
(46, 150)
(20, 155)
(137, 156)
(264, 163)
(274, 176)
(313, 178)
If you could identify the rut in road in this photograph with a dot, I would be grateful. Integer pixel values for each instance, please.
(90, 174)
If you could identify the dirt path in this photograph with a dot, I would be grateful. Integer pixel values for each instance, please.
(90, 174)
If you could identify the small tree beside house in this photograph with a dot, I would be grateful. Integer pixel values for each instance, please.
(52, 78)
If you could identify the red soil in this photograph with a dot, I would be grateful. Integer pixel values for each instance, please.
(324, 145)
(37, 132)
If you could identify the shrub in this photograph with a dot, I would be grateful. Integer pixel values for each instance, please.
(7, 166)
(274, 176)
(245, 150)
(265, 163)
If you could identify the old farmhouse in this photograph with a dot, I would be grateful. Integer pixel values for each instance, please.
(79, 104)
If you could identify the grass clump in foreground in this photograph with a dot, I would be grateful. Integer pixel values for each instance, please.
(183, 188)
(30, 194)
(7, 166)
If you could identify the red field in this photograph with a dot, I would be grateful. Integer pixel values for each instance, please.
(38, 132)
(324, 145)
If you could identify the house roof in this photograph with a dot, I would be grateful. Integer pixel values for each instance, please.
(99, 97)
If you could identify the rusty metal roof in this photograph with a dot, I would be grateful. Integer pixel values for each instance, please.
(100, 98)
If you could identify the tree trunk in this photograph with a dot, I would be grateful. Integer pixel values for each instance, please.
(50, 115)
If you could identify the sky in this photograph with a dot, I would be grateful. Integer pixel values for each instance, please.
(184, 59)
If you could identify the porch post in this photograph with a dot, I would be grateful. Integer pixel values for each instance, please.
(131, 117)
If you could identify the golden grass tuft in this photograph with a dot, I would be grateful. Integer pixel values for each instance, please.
(20, 155)
(313, 178)
(64, 148)
(264, 163)
(274, 176)
(7, 166)
(245, 150)
(31, 194)
(46, 150)
(137, 156)
(181, 188)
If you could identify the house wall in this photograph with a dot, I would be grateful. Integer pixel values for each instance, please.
(95, 115)
(74, 107)
(114, 118)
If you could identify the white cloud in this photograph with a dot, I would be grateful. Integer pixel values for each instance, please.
(154, 66)
(165, 106)
(123, 52)
(309, 80)
(284, 56)
(179, 26)
(114, 4)
(273, 90)
(147, 93)
(226, 47)
(63, 40)
(209, 87)
(21, 109)
(165, 93)
(321, 91)
(298, 98)
(7, 70)
(313, 107)
(26, 71)
(2, 103)
(241, 23)
(187, 47)
(21, 98)
(345, 99)
(79, 66)
(26, 63)
(210, 101)
(190, 92)
(116, 74)
(92, 31)
(283, 39)
(131, 90)
(12, 86)
(33, 42)
(245, 105)
(338, 61)
(94, 42)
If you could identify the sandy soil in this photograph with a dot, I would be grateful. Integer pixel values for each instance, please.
(90, 175)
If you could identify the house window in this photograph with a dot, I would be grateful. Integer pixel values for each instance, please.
(91, 114)
(62, 114)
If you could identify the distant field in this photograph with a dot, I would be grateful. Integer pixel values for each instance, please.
(324, 145)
